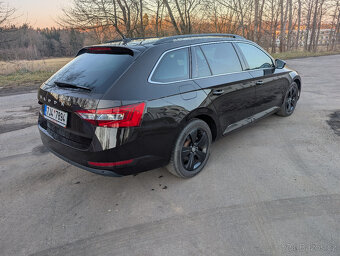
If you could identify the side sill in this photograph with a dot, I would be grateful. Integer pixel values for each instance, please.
(249, 120)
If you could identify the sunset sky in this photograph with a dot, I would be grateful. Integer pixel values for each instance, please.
(38, 13)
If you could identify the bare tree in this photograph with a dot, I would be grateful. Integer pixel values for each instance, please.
(337, 31)
(256, 19)
(290, 23)
(297, 39)
(108, 18)
(284, 11)
(314, 24)
(260, 19)
(156, 10)
(334, 26)
(182, 13)
(172, 17)
(6, 16)
(293, 22)
(6, 13)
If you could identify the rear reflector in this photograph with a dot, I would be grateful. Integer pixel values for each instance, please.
(124, 116)
(109, 164)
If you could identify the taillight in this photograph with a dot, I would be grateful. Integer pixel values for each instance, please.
(124, 116)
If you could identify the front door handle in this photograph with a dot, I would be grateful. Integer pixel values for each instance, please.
(218, 92)
(259, 83)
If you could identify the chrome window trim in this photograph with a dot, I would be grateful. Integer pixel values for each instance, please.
(192, 45)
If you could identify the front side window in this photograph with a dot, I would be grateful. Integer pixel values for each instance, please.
(174, 66)
(222, 58)
(255, 57)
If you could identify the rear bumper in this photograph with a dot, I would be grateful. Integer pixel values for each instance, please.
(93, 170)
(80, 158)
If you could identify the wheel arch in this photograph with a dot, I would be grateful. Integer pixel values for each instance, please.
(207, 115)
(295, 77)
(297, 80)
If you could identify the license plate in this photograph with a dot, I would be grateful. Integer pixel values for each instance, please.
(55, 115)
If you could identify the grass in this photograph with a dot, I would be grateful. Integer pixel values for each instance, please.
(53, 64)
(302, 54)
(29, 72)
(20, 78)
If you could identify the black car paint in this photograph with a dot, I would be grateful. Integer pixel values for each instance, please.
(219, 100)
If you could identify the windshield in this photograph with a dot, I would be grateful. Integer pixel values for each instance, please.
(96, 72)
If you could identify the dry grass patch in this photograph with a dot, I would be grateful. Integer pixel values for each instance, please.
(9, 67)
(24, 78)
(29, 72)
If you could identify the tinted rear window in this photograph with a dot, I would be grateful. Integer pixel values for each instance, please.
(174, 66)
(94, 71)
(222, 58)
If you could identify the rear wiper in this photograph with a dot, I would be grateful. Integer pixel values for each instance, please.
(67, 85)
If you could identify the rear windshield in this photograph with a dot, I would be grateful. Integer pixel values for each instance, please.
(96, 72)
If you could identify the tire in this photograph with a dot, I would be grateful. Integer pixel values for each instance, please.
(192, 150)
(290, 101)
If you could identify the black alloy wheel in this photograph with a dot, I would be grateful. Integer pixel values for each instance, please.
(192, 149)
(290, 101)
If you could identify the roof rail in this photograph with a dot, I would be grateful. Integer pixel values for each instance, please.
(172, 38)
(127, 39)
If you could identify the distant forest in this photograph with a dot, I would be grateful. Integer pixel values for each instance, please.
(25, 42)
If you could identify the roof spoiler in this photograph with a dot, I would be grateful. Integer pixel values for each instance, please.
(106, 50)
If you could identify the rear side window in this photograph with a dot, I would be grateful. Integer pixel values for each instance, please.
(94, 71)
(200, 67)
(222, 58)
(174, 66)
(255, 57)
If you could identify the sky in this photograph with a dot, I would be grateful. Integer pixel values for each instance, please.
(38, 13)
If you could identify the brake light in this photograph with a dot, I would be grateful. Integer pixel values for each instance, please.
(98, 49)
(124, 116)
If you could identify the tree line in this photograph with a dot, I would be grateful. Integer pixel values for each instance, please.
(25, 42)
(278, 25)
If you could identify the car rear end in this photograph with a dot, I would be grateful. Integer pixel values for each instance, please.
(71, 124)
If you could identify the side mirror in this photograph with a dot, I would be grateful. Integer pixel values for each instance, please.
(280, 64)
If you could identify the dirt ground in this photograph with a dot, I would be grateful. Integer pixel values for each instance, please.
(269, 189)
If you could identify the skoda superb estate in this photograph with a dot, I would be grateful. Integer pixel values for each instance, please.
(129, 106)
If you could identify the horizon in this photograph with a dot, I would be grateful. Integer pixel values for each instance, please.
(37, 13)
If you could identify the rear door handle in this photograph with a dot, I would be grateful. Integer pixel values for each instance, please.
(218, 92)
(259, 83)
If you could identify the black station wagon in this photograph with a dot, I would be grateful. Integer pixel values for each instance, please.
(129, 106)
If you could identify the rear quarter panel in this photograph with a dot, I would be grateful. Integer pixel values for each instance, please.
(165, 118)
(168, 106)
